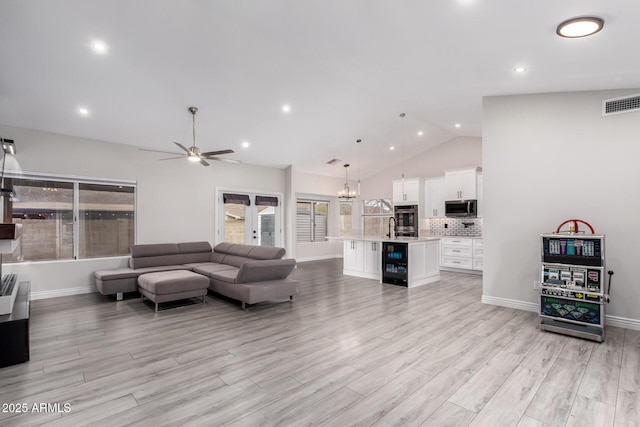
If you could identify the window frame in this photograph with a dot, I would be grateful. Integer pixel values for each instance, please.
(77, 181)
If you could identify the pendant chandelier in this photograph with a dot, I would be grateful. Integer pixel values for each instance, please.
(346, 193)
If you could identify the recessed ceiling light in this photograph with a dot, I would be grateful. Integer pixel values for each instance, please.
(420, 133)
(458, 125)
(99, 47)
(580, 27)
(520, 70)
(286, 108)
(245, 144)
(83, 111)
(392, 148)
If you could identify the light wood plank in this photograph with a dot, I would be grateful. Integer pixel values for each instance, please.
(347, 350)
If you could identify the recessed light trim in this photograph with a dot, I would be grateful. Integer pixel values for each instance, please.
(580, 27)
(520, 70)
(83, 111)
(420, 133)
(245, 144)
(286, 108)
(392, 148)
(458, 125)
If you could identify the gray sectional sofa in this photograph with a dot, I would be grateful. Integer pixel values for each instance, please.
(249, 274)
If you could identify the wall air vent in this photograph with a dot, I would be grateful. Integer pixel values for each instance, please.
(333, 161)
(626, 104)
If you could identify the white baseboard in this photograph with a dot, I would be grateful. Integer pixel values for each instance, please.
(63, 292)
(619, 322)
(622, 322)
(510, 303)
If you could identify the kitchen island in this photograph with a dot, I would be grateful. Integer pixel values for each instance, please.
(403, 261)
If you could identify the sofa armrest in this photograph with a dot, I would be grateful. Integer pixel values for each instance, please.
(263, 270)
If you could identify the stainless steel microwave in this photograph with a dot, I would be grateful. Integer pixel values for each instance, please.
(461, 208)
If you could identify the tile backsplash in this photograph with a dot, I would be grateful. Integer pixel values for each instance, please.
(471, 227)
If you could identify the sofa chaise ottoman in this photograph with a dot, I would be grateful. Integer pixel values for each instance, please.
(172, 285)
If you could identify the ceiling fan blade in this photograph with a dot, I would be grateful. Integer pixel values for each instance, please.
(215, 153)
(218, 159)
(158, 151)
(183, 147)
(203, 162)
(173, 158)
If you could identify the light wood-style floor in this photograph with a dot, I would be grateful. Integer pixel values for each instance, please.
(348, 351)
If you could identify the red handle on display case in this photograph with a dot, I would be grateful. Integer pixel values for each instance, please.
(575, 225)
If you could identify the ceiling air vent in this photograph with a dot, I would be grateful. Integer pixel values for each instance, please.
(333, 161)
(625, 104)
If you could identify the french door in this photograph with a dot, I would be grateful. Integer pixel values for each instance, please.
(249, 218)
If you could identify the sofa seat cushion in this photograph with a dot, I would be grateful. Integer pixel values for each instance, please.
(170, 282)
(212, 268)
(227, 276)
(161, 268)
(117, 273)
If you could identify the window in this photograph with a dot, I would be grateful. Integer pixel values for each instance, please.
(376, 214)
(346, 218)
(311, 221)
(70, 220)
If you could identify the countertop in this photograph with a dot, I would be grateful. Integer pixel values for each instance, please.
(386, 239)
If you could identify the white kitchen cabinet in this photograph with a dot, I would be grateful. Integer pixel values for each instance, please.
(362, 258)
(353, 255)
(410, 193)
(464, 253)
(456, 252)
(461, 184)
(372, 261)
(434, 189)
(478, 254)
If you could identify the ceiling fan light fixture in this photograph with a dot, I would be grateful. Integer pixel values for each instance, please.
(580, 27)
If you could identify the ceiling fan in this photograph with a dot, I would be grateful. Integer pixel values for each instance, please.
(193, 153)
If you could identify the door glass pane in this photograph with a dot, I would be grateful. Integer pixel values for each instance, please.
(106, 220)
(45, 210)
(234, 223)
(266, 225)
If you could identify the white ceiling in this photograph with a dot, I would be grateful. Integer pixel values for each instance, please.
(348, 68)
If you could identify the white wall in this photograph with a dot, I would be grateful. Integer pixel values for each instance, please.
(552, 157)
(175, 199)
(456, 153)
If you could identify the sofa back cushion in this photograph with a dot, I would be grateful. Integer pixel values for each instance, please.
(264, 270)
(193, 252)
(162, 254)
(236, 254)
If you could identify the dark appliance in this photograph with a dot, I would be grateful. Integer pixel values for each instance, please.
(395, 259)
(461, 208)
(406, 221)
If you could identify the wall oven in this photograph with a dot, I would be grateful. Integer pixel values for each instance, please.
(407, 221)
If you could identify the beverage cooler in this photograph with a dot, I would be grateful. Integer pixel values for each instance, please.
(395, 261)
(572, 291)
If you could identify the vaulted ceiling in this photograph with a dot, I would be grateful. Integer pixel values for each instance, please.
(346, 68)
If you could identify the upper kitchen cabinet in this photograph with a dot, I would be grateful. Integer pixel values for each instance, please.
(434, 189)
(461, 183)
(409, 193)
